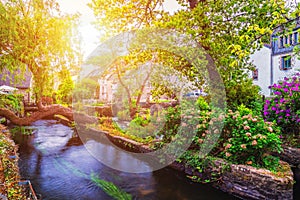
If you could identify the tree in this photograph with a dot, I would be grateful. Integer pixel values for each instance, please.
(85, 89)
(64, 92)
(35, 34)
(143, 63)
(228, 30)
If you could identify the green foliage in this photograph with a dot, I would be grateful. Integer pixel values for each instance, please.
(202, 104)
(64, 92)
(85, 89)
(123, 115)
(248, 138)
(229, 31)
(256, 106)
(22, 129)
(78, 106)
(243, 110)
(143, 127)
(12, 102)
(35, 34)
(110, 189)
(172, 120)
(240, 92)
(271, 162)
(202, 165)
(140, 121)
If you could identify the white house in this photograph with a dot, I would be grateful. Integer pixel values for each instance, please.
(275, 61)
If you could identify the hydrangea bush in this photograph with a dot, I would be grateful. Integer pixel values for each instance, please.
(248, 139)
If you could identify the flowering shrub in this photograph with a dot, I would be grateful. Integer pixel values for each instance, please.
(285, 106)
(248, 138)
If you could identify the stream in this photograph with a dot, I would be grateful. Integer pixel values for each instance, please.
(60, 168)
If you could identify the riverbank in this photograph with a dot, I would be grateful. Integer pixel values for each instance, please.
(9, 171)
(243, 181)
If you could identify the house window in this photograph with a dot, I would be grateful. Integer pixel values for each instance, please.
(286, 40)
(291, 39)
(255, 74)
(286, 62)
(281, 42)
(296, 38)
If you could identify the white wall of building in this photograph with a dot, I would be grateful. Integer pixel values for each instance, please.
(279, 74)
(262, 60)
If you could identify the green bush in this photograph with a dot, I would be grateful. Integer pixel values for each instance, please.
(202, 104)
(249, 138)
(12, 102)
(142, 127)
(172, 120)
(241, 92)
(124, 115)
(140, 121)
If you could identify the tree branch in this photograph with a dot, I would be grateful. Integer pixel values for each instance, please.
(40, 114)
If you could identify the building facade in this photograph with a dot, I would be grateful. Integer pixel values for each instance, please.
(19, 80)
(275, 61)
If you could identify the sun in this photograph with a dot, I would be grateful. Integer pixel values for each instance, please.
(90, 36)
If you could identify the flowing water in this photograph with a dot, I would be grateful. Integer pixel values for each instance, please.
(60, 168)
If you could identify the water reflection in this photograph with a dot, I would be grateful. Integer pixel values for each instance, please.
(60, 167)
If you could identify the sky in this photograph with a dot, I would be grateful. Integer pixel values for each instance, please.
(90, 36)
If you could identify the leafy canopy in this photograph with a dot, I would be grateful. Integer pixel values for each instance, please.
(35, 34)
(229, 31)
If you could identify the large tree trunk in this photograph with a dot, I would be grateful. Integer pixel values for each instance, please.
(47, 111)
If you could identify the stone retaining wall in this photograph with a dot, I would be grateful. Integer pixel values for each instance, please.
(252, 183)
(290, 155)
(245, 181)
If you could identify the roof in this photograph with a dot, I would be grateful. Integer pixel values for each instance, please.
(16, 79)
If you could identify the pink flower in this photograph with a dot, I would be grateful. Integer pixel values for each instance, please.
(248, 134)
(254, 142)
(246, 127)
(270, 129)
(254, 120)
(221, 118)
(227, 154)
(227, 146)
(243, 146)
